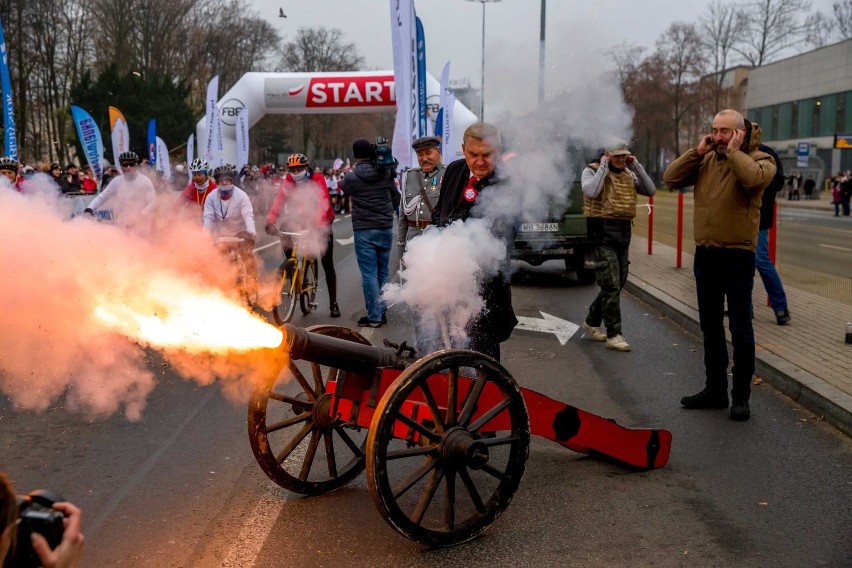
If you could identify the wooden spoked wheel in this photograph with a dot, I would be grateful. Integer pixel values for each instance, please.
(295, 440)
(443, 476)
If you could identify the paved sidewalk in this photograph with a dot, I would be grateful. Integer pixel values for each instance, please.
(806, 359)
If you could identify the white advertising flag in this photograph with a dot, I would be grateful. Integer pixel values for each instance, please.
(446, 104)
(215, 150)
(404, 41)
(190, 150)
(242, 139)
(163, 164)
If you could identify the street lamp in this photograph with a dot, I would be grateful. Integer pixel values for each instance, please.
(482, 83)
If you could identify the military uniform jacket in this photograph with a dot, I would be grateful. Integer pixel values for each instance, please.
(417, 210)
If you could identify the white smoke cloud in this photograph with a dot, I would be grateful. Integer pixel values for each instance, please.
(544, 152)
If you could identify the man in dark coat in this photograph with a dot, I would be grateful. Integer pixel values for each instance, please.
(374, 201)
(464, 183)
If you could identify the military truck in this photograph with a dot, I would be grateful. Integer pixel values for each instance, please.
(561, 236)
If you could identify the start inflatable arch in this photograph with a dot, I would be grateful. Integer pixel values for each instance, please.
(316, 93)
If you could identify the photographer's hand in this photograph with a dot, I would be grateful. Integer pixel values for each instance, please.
(69, 552)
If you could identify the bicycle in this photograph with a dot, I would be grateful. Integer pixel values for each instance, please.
(298, 275)
(232, 247)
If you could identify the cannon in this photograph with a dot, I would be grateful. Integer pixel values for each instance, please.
(444, 438)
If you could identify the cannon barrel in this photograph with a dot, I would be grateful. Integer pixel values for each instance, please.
(337, 353)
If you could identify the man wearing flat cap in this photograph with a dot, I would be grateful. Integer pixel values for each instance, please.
(421, 188)
(609, 191)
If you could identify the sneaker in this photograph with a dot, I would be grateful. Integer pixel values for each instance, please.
(783, 318)
(384, 319)
(617, 343)
(596, 333)
(364, 322)
(740, 410)
(706, 399)
(335, 311)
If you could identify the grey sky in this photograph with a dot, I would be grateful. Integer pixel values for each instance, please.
(579, 32)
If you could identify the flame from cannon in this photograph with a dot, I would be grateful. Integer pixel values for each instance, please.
(169, 312)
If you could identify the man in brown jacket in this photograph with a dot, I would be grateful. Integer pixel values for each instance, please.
(729, 175)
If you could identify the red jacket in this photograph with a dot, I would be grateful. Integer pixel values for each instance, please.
(317, 183)
(191, 195)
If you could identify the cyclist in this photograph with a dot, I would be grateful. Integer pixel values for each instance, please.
(199, 187)
(135, 197)
(228, 213)
(301, 178)
(9, 170)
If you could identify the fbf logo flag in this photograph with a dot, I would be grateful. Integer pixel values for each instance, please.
(119, 133)
(10, 140)
(90, 139)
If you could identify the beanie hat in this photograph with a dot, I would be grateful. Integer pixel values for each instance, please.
(362, 149)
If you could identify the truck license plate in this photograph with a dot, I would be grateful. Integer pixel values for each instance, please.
(539, 227)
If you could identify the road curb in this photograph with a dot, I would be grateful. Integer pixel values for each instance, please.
(813, 393)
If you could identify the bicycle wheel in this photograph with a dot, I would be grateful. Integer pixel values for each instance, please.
(248, 294)
(308, 297)
(287, 275)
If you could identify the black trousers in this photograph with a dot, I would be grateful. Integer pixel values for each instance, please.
(327, 261)
(721, 275)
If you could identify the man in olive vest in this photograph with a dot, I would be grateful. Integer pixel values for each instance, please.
(609, 190)
(421, 188)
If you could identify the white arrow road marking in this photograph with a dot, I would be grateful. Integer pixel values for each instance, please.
(348, 241)
(563, 329)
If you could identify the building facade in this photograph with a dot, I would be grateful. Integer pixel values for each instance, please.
(802, 103)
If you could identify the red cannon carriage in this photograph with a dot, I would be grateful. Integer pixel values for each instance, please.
(444, 438)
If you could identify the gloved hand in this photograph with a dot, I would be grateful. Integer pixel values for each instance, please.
(245, 235)
(89, 211)
(271, 229)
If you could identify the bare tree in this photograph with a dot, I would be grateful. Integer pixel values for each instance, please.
(718, 33)
(768, 27)
(822, 30)
(319, 49)
(627, 58)
(843, 17)
(679, 53)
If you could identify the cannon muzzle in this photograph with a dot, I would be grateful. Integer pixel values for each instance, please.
(338, 353)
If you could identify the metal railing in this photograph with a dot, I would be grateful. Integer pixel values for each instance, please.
(812, 248)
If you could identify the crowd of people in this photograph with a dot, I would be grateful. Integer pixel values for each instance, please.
(728, 168)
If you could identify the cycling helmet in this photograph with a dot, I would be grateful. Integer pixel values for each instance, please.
(225, 170)
(297, 161)
(9, 163)
(199, 165)
(129, 156)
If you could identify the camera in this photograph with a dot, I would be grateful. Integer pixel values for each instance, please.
(384, 157)
(37, 516)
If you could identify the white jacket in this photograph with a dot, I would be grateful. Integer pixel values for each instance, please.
(131, 200)
(226, 218)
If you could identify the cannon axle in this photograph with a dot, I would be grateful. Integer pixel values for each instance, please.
(459, 447)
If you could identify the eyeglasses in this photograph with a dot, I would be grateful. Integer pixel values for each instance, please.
(297, 169)
(128, 165)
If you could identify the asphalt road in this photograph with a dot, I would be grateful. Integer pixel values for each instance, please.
(813, 251)
(181, 487)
